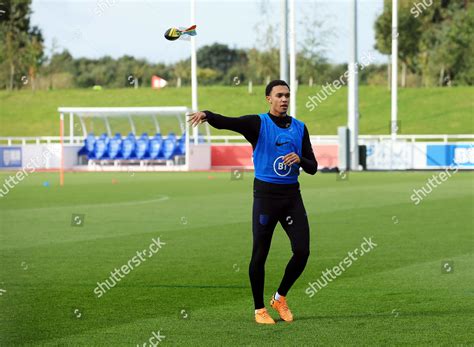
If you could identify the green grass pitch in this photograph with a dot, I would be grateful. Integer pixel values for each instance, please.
(396, 294)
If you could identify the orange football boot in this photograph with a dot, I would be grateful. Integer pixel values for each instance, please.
(282, 308)
(262, 317)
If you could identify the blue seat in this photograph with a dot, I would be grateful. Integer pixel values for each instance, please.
(105, 137)
(145, 137)
(88, 147)
(128, 148)
(141, 148)
(100, 149)
(114, 147)
(171, 136)
(154, 149)
(169, 148)
(181, 146)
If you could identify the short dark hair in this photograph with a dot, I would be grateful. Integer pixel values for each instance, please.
(275, 83)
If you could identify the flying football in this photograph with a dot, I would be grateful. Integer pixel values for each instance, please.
(173, 34)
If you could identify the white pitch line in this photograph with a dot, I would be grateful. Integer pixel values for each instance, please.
(112, 204)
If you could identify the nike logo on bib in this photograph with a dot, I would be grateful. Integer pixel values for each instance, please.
(282, 143)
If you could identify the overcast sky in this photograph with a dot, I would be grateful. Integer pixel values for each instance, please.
(94, 28)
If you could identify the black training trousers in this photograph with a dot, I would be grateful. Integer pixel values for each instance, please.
(291, 214)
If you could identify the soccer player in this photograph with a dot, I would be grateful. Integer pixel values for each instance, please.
(281, 145)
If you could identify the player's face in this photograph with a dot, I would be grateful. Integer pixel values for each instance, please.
(279, 99)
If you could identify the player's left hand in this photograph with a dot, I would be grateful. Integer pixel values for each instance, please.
(291, 158)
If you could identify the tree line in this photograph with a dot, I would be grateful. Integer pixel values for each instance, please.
(435, 49)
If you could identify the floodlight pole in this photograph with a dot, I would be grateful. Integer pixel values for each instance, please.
(284, 41)
(292, 35)
(194, 95)
(353, 92)
(394, 110)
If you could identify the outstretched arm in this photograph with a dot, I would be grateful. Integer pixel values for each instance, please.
(248, 126)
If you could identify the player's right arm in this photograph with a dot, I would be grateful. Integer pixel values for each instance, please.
(248, 126)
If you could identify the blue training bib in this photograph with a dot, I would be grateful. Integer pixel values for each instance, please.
(272, 145)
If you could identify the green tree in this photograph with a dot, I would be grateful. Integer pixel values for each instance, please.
(182, 70)
(218, 57)
(59, 64)
(435, 40)
(409, 31)
(207, 76)
(32, 55)
(21, 46)
(447, 43)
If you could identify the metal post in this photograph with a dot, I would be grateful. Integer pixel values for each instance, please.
(393, 124)
(293, 86)
(194, 96)
(353, 114)
(284, 41)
